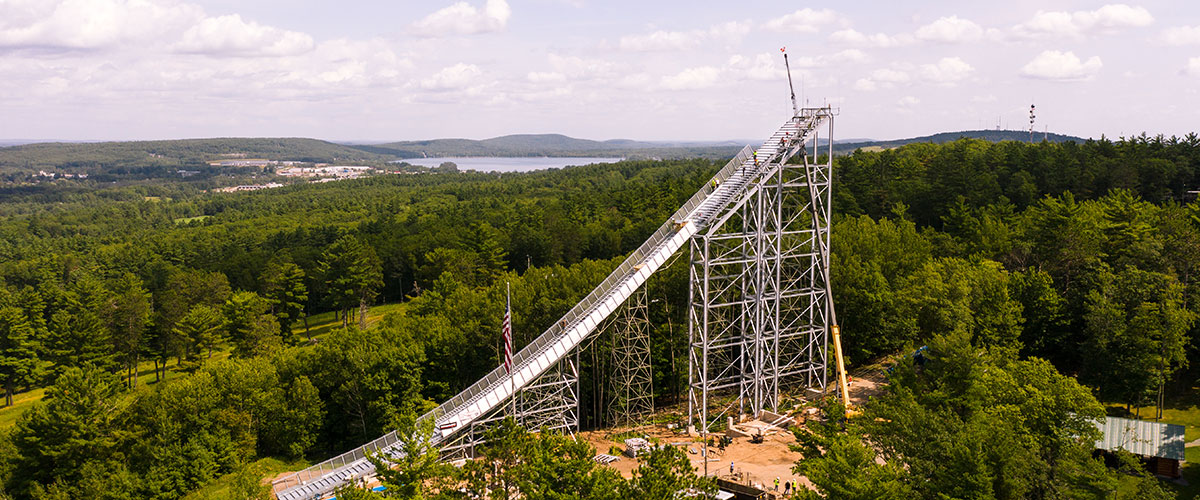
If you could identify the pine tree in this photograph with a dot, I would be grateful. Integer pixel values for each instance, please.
(128, 316)
(18, 351)
(283, 285)
(353, 276)
(199, 329)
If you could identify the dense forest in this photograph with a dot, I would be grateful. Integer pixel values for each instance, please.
(1046, 279)
(97, 157)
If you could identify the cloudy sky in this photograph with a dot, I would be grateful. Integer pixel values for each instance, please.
(597, 69)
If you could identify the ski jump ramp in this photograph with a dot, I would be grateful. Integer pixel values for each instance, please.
(492, 392)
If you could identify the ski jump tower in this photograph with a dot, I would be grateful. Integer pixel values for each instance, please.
(759, 309)
(759, 314)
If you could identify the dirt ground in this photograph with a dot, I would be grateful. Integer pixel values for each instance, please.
(757, 464)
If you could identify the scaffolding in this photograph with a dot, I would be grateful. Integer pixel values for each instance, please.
(632, 387)
(550, 402)
(758, 310)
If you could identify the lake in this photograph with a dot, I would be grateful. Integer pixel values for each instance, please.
(504, 164)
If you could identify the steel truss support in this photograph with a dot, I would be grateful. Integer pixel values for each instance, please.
(632, 393)
(758, 316)
(550, 402)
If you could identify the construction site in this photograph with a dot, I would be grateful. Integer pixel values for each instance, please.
(750, 454)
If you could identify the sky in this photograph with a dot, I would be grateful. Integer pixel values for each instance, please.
(380, 70)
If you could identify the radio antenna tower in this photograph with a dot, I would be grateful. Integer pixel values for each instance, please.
(1031, 117)
(795, 109)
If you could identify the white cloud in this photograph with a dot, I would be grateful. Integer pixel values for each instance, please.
(660, 40)
(1181, 35)
(230, 35)
(889, 76)
(825, 60)
(803, 21)
(882, 78)
(141, 24)
(1106, 19)
(459, 76)
(948, 71)
(574, 68)
(865, 85)
(950, 30)
(908, 101)
(729, 32)
(91, 24)
(1193, 67)
(762, 67)
(692, 79)
(878, 40)
(546, 77)
(463, 18)
(732, 31)
(1061, 66)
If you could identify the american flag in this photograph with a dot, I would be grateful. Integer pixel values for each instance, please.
(506, 327)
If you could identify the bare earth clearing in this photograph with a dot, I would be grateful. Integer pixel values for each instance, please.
(757, 464)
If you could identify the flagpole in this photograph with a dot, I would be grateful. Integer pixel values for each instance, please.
(511, 379)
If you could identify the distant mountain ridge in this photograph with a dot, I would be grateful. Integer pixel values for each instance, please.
(547, 145)
(561, 145)
(987, 135)
(79, 156)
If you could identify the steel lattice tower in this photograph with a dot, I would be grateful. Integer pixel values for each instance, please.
(632, 395)
(758, 315)
(549, 402)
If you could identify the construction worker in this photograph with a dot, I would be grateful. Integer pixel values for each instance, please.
(787, 488)
(756, 158)
(776, 483)
(731, 467)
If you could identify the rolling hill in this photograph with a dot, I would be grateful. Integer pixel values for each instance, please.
(987, 135)
(79, 156)
(551, 145)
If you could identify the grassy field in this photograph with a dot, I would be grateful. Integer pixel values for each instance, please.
(219, 489)
(319, 326)
(185, 220)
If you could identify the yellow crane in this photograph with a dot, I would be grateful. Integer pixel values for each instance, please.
(843, 387)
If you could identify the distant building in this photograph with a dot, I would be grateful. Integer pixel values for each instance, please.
(242, 163)
(249, 187)
(1160, 445)
(319, 170)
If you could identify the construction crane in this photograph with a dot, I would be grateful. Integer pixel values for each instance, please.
(843, 387)
(835, 330)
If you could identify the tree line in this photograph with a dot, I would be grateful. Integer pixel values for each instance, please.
(1092, 273)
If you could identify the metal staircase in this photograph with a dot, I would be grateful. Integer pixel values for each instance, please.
(557, 342)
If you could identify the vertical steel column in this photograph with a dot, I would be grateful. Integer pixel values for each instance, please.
(757, 283)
